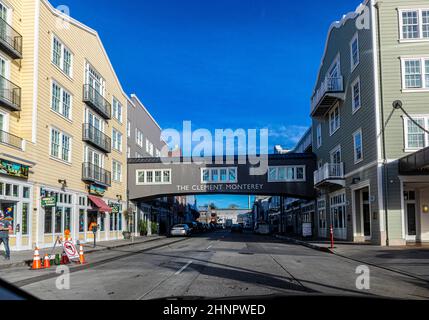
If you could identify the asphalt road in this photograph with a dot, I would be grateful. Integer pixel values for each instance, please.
(215, 265)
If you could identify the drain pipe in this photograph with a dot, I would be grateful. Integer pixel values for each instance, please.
(385, 169)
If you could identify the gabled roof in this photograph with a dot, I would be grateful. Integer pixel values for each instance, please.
(338, 25)
(82, 26)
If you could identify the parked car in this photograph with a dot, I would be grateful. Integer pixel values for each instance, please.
(181, 230)
(193, 226)
(237, 228)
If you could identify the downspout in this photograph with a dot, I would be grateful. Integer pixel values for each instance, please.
(385, 169)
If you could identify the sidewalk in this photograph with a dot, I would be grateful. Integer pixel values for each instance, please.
(25, 258)
(410, 260)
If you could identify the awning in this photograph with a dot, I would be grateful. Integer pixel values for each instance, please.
(100, 204)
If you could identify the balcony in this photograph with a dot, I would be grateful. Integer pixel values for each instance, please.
(10, 95)
(96, 101)
(329, 93)
(95, 174)
(10, 140)
(330, 174)
(10, 40)
(97, 138)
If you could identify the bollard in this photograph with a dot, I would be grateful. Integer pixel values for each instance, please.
(332, 236)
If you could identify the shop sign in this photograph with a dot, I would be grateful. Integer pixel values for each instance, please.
(49, 202)
(116, 208)
(14, 169)
(96, 190)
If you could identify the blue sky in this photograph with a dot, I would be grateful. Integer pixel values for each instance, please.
(247, 64)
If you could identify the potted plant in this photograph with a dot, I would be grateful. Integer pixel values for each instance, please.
(154, 228)
(143, 227)
(127, 214)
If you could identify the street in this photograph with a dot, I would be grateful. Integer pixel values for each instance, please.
(214, 265)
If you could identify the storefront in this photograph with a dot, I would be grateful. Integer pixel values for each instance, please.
(16, 198)
(58, 214)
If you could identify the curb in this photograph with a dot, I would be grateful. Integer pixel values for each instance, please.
(306, 244)
(28, 262)
(328, 250)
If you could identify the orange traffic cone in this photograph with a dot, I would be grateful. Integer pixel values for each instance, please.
(37, 264)
(81, 256)
(46, 262)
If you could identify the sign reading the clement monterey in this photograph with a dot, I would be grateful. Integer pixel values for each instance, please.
(13, 169)
(220, 187)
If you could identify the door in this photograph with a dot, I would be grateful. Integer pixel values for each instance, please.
(4, 16)
(4, 89)
(97, 123)
(335, 170)
(3, 128)
(366, 215)
(410, 215)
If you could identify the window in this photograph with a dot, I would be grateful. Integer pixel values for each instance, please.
(319, 135)
(357, 141)
(116, 140)
(62, 56)
(60, 145)
(425, 24)
(25, 218)
(81, 220)
(410, 24)
(218, 175)
(94, 80)
(156, 176)
(412, 70)
(117, 171)
(149, 147)
(414, 24)
(117, 110)
(286, 174)
(356, 104)
(354, 52)
(334, 120)
(139, 138)
(157, 153)
(128, 129)
(61, 101)
(128, 152)
(415, 137)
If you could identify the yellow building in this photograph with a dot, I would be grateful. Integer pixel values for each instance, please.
(63, 128)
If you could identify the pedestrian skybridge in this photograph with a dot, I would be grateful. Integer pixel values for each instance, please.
(284, 175)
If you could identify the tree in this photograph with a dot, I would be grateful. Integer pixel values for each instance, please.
(233, 206)
(212, 206)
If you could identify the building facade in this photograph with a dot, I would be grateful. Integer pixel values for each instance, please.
(63, 128)
(373, 57)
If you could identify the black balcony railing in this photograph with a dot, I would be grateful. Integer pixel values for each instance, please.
(93, 173)
(95, 100)
(96, 137)
(10, 94)
(10, 40)
(10, 139)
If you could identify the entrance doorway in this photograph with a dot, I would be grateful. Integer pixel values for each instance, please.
(410, 215)
(366, 214)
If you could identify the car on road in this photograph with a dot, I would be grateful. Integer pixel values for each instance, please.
(180, 230)
(237, 228)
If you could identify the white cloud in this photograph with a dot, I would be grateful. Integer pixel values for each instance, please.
(287, 135)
